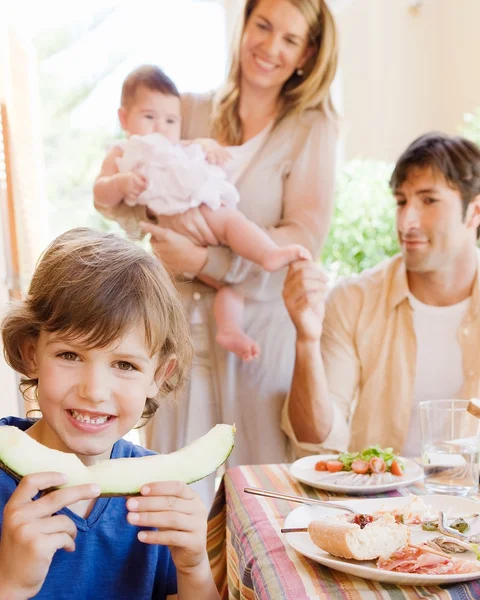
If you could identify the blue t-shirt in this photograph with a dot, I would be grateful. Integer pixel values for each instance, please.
(109, 563)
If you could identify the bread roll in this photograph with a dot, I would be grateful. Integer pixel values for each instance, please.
(339, 537)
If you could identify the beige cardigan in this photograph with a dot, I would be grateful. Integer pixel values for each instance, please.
(287, 188)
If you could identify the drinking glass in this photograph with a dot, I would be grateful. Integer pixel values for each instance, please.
(450, 447)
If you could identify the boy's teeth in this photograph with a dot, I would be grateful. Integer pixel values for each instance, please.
(86, 419)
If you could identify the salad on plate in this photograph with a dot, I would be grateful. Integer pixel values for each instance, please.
(370, 461)
(371, 470)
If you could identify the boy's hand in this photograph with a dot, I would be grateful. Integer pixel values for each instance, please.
(132, 185)
(31, 535)
(215, 153)
(181, 519)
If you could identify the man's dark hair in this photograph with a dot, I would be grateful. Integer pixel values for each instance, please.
(454, 157)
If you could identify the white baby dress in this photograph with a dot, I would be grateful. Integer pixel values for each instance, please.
(178, 177)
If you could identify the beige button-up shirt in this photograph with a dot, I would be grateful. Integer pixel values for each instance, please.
(369, 354)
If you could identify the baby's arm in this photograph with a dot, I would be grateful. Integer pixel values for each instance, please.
(215, 153)
(111, 187)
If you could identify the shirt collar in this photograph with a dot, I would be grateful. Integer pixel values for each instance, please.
(399, 285)
(474, 304)
(398, 289)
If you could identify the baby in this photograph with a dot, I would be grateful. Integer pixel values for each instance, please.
(154, 167)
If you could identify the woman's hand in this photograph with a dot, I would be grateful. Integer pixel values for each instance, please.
(181, 519)
(177, 252)
(304, 293)
(32, 532)
(191, 224)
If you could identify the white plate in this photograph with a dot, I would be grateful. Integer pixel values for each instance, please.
(304, 470)
(453, 505)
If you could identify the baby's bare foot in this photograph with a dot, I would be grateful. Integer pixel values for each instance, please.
(283, 256)
(239, 343)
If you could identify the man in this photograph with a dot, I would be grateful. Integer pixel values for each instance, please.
(405, 331)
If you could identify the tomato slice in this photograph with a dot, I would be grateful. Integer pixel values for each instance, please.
(334, 466)
(396, 468)
(321, 465)
(360, 466)
(377, 465)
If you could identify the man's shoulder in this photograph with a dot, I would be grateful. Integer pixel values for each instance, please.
(370, 283)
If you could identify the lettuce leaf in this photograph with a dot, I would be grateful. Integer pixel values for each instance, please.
(387, 454)
(476, 549)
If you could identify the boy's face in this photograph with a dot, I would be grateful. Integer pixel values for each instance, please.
(91, 397)
(152, 112)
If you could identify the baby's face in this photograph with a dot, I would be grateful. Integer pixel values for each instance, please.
(152, 112)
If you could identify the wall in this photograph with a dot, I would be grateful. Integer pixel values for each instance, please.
(406, 71)
(461, 85)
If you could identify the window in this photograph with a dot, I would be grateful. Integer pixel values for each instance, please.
(84, 54)
(10, 403)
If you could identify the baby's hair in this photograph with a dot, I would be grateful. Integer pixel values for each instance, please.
(149, 76)
(97, 287)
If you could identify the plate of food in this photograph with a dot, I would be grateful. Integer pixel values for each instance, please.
(428, 540)
(373, 470)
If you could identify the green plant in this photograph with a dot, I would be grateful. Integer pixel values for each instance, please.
(471, 126)
(363, 227)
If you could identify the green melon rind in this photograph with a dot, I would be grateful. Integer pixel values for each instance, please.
(123, 476)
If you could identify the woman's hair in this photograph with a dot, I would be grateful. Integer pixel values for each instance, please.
(97, 287)
(149, 76)
(311, 90)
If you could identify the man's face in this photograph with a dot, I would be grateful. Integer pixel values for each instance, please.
(432, 231)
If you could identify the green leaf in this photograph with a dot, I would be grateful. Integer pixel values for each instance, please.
(363, 227)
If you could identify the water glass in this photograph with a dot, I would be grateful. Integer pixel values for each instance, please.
(450, 447)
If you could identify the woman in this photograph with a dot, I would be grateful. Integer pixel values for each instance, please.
(275, 112)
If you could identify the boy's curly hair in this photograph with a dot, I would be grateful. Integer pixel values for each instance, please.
(96, 287)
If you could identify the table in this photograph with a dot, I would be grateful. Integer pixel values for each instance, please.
(251, 559)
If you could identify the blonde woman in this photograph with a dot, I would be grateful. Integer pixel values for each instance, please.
(276, 118)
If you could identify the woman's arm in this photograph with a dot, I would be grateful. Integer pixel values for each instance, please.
(307, 204)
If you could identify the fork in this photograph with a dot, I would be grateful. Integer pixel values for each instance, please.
(300, 499)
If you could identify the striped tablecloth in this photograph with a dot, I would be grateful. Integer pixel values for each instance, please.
(251, 558)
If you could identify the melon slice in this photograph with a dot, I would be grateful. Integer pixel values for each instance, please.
(21, 455)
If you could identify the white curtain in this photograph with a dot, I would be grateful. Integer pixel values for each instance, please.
(24, 215)
(19, 90)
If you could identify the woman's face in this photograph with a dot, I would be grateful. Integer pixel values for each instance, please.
(274, 44)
